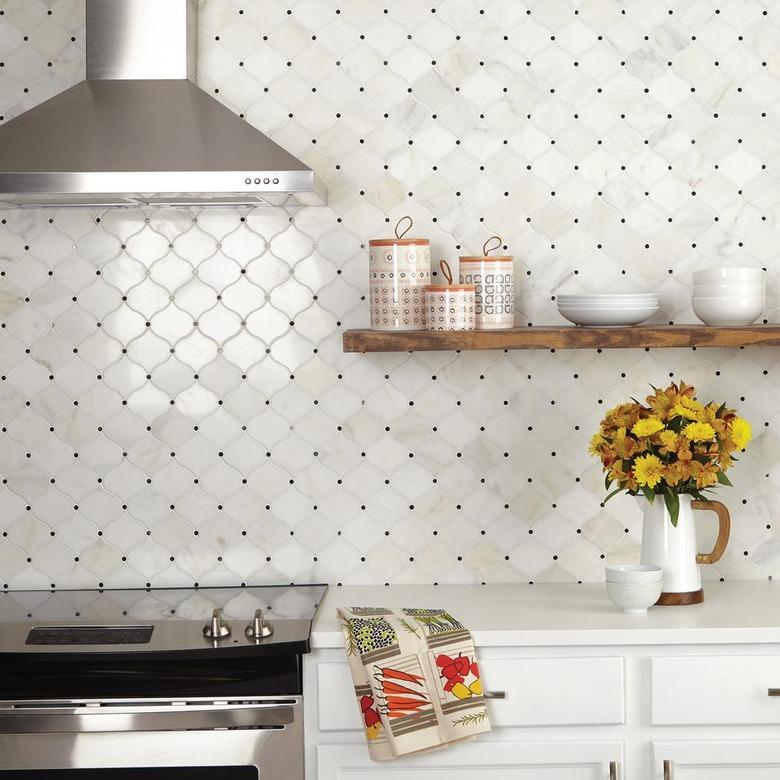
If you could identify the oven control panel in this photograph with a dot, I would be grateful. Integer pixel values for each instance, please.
(90, 635)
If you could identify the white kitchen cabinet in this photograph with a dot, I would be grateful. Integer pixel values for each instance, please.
(534, 692)
(685, 687)
(483, 760)
(721, 760)
(715, 689)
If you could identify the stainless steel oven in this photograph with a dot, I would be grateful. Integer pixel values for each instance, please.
(168, 686)
(152, 739)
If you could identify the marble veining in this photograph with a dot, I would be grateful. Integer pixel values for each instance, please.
(174, 401)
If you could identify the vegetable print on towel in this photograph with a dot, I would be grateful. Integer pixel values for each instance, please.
(416, 679)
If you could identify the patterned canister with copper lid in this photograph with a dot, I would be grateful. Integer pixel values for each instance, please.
(399, 268)
(493, 277)
(449, 306)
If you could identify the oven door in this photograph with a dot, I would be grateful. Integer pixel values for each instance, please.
(195, 739)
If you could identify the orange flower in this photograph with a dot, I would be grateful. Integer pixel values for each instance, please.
(624, 479)
(705, 474)
(626, 446)
(662, 401)
(622, 416)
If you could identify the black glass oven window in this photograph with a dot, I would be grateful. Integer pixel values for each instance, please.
(137, 773)
(135, 674)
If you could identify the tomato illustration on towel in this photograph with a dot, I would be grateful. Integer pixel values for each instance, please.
(370, 716)
(461, 676)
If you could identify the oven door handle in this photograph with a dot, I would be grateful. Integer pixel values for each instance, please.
(171, 717)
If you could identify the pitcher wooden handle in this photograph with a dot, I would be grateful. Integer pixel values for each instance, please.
(724, 529)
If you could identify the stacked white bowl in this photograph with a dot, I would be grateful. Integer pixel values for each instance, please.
(608, 309)
(729, 296)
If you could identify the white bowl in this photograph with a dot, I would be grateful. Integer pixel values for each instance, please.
(607, 316)
(634, 597)
(606, 298)
(607, 305)
(728, 290)
(729, 311)
(634, 572)
(729, 276)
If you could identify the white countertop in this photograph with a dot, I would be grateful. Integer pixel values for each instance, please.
(558, 615)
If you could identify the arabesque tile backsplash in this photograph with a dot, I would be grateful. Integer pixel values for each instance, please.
(175, 404)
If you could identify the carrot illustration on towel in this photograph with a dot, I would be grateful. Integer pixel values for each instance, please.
(399, 700)
(397, 674)
(390, 687)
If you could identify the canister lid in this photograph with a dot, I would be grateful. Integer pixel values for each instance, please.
(486, 250)
(449, 286)
(399, 239)
(399, 242)
(487, 259)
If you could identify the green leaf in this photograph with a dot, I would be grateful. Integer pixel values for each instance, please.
(649, 495)
(613, 493)
(672, 501)
(471, 720)
(607, 482)
(723, 479)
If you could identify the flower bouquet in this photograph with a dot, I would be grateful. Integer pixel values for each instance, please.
(673, 445)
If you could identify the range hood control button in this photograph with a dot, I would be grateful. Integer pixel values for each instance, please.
(216, 629)
(258, 629)
(247, 181)
(276, 181)
(258, 181)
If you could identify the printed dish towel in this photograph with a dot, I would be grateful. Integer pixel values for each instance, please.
(416, 679)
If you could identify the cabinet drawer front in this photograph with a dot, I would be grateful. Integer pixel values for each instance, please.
(539, 692)
(555, 691)
(483, 759)
(715, 689)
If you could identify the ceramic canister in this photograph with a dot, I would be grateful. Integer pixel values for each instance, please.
(493, 277)
(399, 268)
(449, 306)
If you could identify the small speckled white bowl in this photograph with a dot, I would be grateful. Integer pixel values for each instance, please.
(634, 572)
(634, 597)
(634, 587)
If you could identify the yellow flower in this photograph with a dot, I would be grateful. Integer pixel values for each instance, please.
(699, 431)
(741, 432)
(596, 444)
(648, 470)
(669, 440)
(647, 427)
(688, 408)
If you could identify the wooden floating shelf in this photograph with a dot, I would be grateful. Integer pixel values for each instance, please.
(560, 337)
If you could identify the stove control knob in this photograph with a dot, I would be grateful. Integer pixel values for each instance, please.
(216, 629)
(258, 629)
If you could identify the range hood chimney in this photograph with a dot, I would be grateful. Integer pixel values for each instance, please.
(139, 131)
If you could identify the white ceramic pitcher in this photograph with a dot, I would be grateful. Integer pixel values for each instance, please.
(674, 548)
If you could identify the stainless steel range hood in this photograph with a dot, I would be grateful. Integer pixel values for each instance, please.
(139, 131)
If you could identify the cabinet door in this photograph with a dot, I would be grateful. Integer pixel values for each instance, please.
(743, 760)
(553, 760)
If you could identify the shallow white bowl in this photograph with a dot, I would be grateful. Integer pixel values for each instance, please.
(634, 572)
(729, 311)
(607, 298)
(607, 316)
(728, 290)
(634, 597)
(607, 305)
(729, 276)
